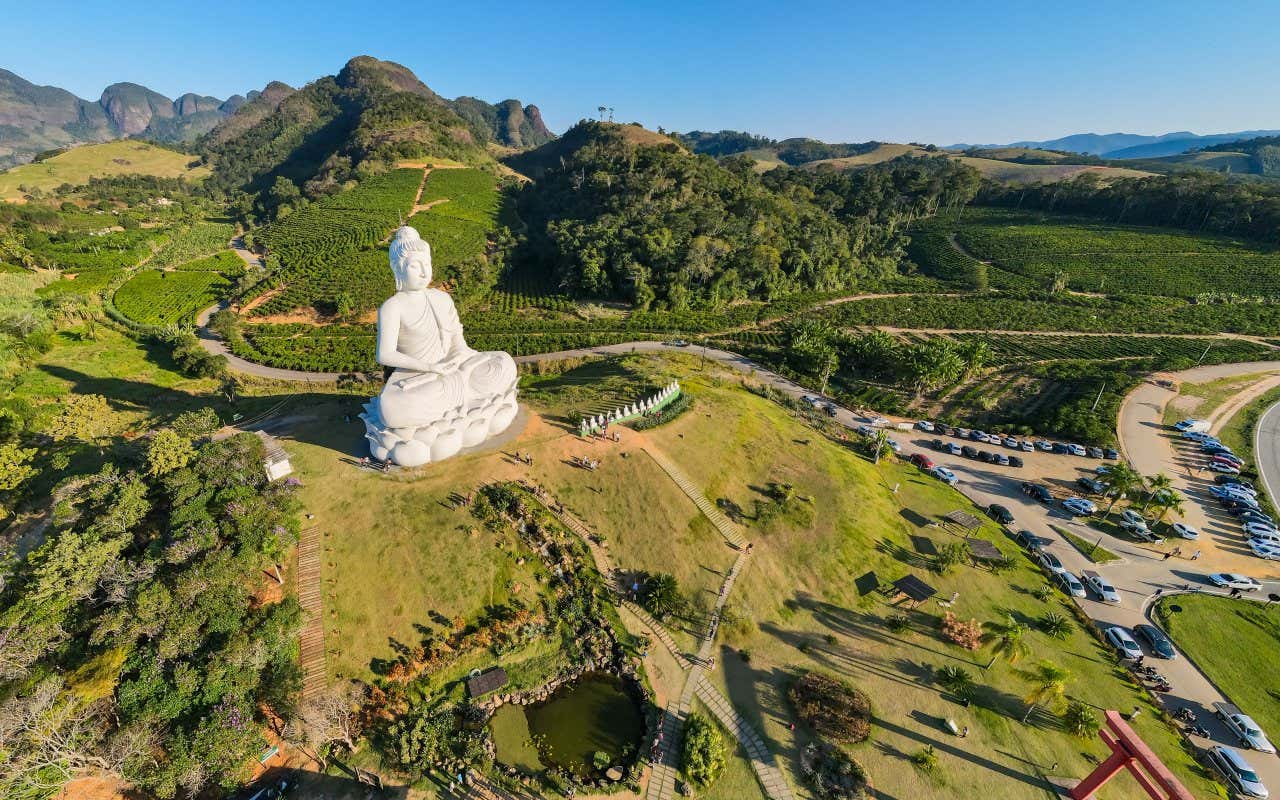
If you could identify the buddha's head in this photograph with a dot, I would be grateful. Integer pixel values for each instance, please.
(410, 260)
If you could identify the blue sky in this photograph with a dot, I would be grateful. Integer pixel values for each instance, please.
(839, 71)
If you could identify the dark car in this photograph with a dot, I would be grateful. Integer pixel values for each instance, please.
(1156, 640)
(1042, 493)
(1227, 480)
(999, 513)
(1091, 485)
(936, 444)
(1111, 453)
(1015, 461)
(1029, 541)
(945, 430)
(1060, 448)
(968, 451)
(1094, 452)
(985, 457)
(1027, 487)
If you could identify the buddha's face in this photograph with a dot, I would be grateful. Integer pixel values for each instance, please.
(417, 274)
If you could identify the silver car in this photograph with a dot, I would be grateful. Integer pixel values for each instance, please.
(1237, 771)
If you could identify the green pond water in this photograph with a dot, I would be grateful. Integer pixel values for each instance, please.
(595, 713)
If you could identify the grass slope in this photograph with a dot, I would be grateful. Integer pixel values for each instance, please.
(78, 165)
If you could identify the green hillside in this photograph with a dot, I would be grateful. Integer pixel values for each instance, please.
(79, 164)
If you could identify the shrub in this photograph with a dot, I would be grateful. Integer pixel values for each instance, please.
(703, 757)
(948, 557)
(965, 634)
(925, 760)
(956, 680)
(832, 708)
(1056, 625)
(1080, 720)
(660, 596)
(832, 773)
(898, 623)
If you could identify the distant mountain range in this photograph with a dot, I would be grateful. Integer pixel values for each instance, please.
(35, 119)
(1127, 145)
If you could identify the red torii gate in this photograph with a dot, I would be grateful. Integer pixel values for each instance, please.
(1128, 751)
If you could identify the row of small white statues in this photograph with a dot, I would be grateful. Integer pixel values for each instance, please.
(593, 424)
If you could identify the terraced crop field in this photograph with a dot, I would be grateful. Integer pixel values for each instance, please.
(1033, 251)
(156, 297)
(197, 241)
(1019, 349)
(115, 250)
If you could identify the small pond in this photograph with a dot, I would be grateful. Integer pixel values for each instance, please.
(594, 714)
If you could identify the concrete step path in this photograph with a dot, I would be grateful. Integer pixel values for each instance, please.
(699, 498)
(311, 637)
(660, 631)
(762, 760)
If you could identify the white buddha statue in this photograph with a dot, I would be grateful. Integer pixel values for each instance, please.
(440, 395)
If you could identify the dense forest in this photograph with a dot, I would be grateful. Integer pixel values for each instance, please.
(134, 639)
(794, 152)
(1264, 151)
(1194, 201)
(660, 227)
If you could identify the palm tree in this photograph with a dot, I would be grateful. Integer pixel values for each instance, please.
(881, 441)
(1006, 639)
(1080, 721)
(1166, 501)
(1056, 625)
(1155, 485)
(1048, 685)
(1120, 480)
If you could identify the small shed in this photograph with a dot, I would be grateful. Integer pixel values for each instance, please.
(486, 682)
(982, 550)
(276, 461)
(914, 589)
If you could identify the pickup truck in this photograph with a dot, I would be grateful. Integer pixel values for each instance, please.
(1244, 727)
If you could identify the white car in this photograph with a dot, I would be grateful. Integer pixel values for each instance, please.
(1009, 441)
(1197, 436)
(1044, 445)
(1243, 726)
(1232, 580)
(925, 425)
(1265, 549)
(1185, 531)
(881, 422)
(1070, 584)
(1134, 523)
(1100, 585)
(894, 446)
(1026, 446)
(1237, 771)
(954, 449)
(1076, 450)
(1192, 425)
(1050, 562)
(1261, 530)
(1079, 506)
(945, 475)
(1123, 642)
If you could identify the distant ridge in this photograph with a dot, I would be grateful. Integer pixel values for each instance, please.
(1127, 145)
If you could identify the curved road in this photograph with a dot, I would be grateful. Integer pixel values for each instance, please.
(1266, 451)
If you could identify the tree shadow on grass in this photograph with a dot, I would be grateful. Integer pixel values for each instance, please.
(902, 554)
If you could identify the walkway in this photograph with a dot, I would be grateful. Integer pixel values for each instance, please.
(719, 520)
(311, 638)
(762, 760)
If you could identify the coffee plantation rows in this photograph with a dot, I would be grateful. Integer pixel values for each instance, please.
(201, 239)
(1032, 251)
(74, 252)
(1057, 313)
(87, 283)
(1015, 349)
(470, 194)
(157, 297)
(326, 249)
(453, 239)
(226, 262)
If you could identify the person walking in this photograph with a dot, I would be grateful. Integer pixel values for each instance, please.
(1195, 555)
(1167, 556)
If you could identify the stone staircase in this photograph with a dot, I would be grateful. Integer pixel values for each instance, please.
(719, 520)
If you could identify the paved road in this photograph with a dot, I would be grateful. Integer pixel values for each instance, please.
(1266, 451)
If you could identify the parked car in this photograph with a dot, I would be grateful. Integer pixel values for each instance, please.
(1102, 586)
(953, 448)
(1042, 493)
(1218, 466)
(1060, 448)
(1000, 458)
(1102, 469)
(943, 474)
(925, 425)
(1000, 514)
(1259, 530)
(1079, 507)
(968, 451)
(1076, 449)
(1185, 531)
(1157, 642)
(1015, 461)
(1134, 523)
(1265, 549)
(1026, 446)
(1192, 425)
(894, 446)
(1237, 484)
(945, 430)
(1197, 436)
(1026, 487)
(1091, 485)
(1044, 445)
(1111, 453)
(1257, 516)
(1070, 584)
(1243, 726)
(963, 433)
(1010, 441)
(985, 457)
(978, 436)
(1123, 642)
(1094, 452)
(922, 461)
(1232, 580)
(1050, 561)
(1029, 541)
(1237, 771)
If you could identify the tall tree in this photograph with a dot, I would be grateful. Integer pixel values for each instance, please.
(1007, 639)
(1048, 683)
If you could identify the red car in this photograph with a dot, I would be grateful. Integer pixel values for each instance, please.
(922, 461)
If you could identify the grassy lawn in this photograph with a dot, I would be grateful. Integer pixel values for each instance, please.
(738, 781)
(1214, 631)
(1198, 400)
(76, 166)
(397, 556)
(1091, 550)
(1238, 432)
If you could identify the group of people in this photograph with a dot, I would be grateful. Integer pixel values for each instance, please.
(369, 463)
(524, 458)
(586, 463)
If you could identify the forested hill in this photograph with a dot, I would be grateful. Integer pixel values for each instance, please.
(641, 219)
(795, 151)
(1263, 152)
(311, 142)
